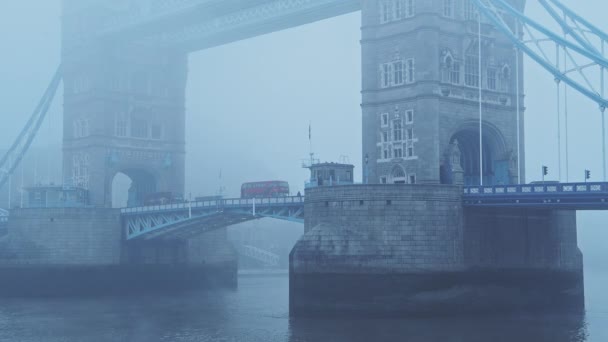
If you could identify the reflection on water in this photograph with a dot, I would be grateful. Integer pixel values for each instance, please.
(557, 329)
(258, 311)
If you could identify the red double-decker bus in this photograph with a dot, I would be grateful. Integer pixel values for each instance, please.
(264, 189)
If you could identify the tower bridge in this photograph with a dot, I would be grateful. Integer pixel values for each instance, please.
(445, 216)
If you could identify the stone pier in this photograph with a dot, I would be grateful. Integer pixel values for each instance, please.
(82, 251)
(414, 250)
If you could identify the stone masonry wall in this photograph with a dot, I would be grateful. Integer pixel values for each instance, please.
(381, 228)
(210, 248)
(501, 238)
(63, 236)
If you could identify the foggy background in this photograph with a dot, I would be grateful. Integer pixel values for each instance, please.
(249, 105)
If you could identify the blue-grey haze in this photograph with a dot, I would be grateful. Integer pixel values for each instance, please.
(249, 104)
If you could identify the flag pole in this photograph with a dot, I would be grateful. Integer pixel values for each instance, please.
(480, 104)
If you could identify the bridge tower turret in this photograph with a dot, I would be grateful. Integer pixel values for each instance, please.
(124, 107)
(421, 79)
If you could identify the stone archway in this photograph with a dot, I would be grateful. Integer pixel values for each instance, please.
(398, 175)
(496, 161)
(130, 187)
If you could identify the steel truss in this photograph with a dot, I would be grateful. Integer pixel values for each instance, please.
(578, 48)
(261, 255)
(185, 220)
(568, 55)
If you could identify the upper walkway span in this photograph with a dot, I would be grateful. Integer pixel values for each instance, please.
(199, 24)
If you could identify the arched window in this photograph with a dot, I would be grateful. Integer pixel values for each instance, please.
(122, 124)
(471, 67)
(398, 175)
(397, 130)
(392, 10)
(451, 69)
(448, 8)
(505, 78)
(80, 170)
(448, 61)
(506, 72)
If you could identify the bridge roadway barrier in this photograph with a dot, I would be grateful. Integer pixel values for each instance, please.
(572, 196)
(417, 250)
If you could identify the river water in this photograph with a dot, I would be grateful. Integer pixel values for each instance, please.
(258, 311)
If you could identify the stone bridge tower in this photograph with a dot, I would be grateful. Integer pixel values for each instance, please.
(421, 94)
(123, 108)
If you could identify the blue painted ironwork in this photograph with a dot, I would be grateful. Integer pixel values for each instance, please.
(578, 19)
(490, 9)
(568, 30)
(191, 218)
(574, 196)
(265, 257)
(20, 146)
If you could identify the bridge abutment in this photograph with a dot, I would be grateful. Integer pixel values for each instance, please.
(414, 250)
(209, 253)
(83, 251)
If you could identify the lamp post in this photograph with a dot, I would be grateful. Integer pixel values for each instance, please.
(366, 169)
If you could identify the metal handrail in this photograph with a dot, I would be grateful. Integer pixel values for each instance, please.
(531, 189)
(224, 203)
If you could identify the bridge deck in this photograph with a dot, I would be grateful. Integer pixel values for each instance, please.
(180, 220)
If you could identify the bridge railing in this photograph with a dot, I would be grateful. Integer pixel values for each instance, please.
(219, 204)
(539, 189)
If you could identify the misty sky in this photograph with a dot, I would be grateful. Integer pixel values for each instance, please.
(249, 103)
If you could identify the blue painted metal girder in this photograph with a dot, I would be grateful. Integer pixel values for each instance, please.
(550, 34)
(188, 219)
(573, 15)
(574, 196)
(500, 25)
(568, 30)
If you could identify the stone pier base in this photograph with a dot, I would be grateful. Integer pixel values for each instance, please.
(436, 294)
(414, 250)
(82, 251)
(62, 281)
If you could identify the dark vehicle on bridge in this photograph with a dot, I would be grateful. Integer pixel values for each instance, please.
(160, 198)
(265, 189)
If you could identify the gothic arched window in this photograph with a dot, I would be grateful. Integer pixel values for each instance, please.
(505, 78)
(451, 69)
(398, 175)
